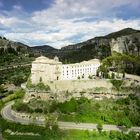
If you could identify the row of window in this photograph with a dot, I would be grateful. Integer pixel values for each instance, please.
(78, 71)
(76, 66)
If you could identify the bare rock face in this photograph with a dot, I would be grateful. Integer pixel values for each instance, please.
(11, 46)
(126, 44)
(124, 41)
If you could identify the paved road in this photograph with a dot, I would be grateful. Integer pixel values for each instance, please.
(6, 113)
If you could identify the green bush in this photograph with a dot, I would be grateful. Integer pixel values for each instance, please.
(17, 94)
(68, 106)
(4, 125)
(117, 84)
(99, 127)
(21, 107)
(29, 84)
(41, 87)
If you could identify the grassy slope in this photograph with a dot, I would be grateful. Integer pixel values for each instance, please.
(69, 135)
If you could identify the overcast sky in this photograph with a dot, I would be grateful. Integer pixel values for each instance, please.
(62, 22)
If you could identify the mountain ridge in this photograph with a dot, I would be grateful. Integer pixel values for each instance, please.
(124, 41)
(123, 32)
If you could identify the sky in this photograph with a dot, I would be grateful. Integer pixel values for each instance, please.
(63, 22)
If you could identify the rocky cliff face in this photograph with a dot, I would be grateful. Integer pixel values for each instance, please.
(126, 44)
(124, 41)
(7, 46)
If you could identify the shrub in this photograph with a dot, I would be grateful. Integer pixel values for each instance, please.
(68, 106)
(4, 125)
(41, 87)
(29, 84)
(17, 94)
(112, 75)
(78, 77)
(90, 77)
(117, 84)
(99, 127)
(20, 106)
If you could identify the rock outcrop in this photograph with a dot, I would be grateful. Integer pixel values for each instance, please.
(126, 44)
(124, 41)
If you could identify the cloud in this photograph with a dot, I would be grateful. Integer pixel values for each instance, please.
(8, 21)
(69, 32)
(66, 22)
(80, 8)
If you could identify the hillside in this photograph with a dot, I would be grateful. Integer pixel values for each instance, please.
(123, 41)
(16, 54)
(105, 40)
(44, 48)
(7, 46)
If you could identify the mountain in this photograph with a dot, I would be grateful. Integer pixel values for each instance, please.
(44, 48)
(126, 39)
(7, 46)
(123, 32)
(15, 53)
(123, 41)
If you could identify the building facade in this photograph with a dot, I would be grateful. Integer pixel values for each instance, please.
(45, 69)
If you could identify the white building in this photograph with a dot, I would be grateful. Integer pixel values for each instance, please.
(46, 69)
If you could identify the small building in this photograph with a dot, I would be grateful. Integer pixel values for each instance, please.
(45, 69)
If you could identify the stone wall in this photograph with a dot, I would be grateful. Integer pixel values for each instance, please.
(78, 85)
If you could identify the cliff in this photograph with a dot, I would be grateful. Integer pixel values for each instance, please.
(123, 41)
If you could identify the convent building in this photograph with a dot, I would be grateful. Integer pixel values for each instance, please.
(46, 69)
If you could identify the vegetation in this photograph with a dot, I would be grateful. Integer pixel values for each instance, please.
(99, 106)
(99, 127)
(15, 76)
(120, 63)
(117, 112)
(123, 111)
(17, 94)
(42, 87)
(52, 133)
(11, 59)
(88, 51)
(43, 131)
(34, 105)
(38, 87)
(79, 135)
(117, 84)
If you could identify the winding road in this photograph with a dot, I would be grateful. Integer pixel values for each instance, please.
(6, 114)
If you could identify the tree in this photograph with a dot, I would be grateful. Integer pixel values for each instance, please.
(97, 73)
(40, 87)
(112, 75)
(99, 127)
(90, 76)
(117, 84)
(123, 75)
(51, 121)
(2, 89)
(78, 77)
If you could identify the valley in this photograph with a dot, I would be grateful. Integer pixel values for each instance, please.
(104, 106)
